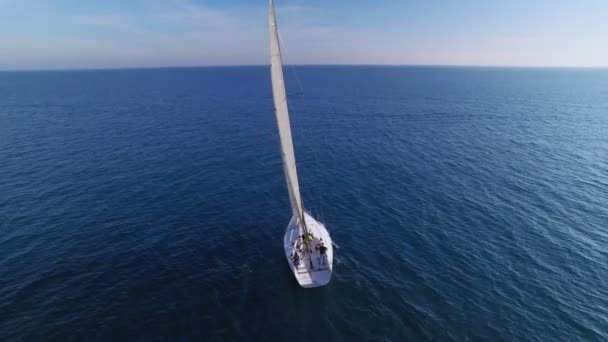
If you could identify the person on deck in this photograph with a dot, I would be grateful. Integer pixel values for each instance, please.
(322, 250)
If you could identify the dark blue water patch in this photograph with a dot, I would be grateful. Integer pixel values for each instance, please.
(467, 204)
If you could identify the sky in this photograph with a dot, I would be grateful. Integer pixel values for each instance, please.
(72, 34)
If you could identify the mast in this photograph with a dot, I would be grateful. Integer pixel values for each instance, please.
(282, 117)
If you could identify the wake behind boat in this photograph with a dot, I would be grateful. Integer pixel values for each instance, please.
(307, 243)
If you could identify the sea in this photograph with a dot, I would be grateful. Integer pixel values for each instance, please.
(465, 204)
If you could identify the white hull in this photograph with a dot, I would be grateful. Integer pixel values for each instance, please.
(314, 269)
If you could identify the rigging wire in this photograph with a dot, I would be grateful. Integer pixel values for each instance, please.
(290, 66)
(298, 122)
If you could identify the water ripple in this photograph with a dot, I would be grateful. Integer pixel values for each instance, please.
(468, 204)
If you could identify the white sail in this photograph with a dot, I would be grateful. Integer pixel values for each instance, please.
(282, 116)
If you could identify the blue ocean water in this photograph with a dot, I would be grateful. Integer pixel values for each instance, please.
(467, 204)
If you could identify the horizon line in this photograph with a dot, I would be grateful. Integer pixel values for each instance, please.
(118, 68)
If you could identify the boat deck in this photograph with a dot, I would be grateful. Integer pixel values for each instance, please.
(311, 259)
(313, 269)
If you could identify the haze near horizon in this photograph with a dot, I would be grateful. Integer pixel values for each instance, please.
(68, 34)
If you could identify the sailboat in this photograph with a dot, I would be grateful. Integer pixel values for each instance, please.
(307, 243)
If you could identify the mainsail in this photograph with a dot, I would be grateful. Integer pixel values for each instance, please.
(282, 115)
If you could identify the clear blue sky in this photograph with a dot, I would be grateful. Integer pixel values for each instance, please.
(43, 34)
